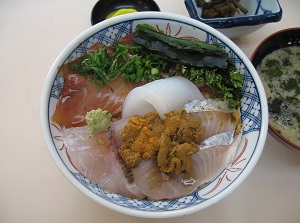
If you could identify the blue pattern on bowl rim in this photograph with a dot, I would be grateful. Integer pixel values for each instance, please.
(260, 13)
(251, 110)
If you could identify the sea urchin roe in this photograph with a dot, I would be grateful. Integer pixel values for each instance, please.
(171, 141)
(280, 75)
(140, 138)
(177, 142)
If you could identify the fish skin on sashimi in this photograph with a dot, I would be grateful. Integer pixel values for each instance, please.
(93, 157)
(79, 96)
(215, 122)
(214, 116)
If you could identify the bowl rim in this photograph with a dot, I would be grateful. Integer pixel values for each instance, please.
(125, 210)
(283, 140)
(230, 22)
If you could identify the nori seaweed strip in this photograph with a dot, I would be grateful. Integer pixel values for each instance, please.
(188, 52)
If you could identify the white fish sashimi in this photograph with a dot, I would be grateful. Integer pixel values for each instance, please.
(156, 184)
(162, 95)
(214, 116)
(215, 122)
(116, 129)
(207, 165)
(97, 159)
(93, 157)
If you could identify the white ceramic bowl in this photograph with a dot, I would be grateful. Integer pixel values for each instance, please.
(260, 12)
(254, 116)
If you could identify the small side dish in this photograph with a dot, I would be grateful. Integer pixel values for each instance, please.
(235, 18)
(105, 9)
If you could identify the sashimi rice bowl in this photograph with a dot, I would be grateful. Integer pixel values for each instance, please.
(154, 115)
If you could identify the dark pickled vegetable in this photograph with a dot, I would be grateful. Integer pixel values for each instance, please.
(220, 8)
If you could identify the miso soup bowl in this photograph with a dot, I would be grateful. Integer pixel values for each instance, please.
(254, 115)
(282, 38)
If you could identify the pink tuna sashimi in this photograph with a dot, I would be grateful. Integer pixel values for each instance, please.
(79, 96)
(207, 165)
(93, 157)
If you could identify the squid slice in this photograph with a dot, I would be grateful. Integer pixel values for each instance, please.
(162, 95)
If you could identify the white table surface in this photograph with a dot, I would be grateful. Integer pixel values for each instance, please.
(32, 189)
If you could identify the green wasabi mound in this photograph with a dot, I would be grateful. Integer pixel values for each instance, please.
(97, 120)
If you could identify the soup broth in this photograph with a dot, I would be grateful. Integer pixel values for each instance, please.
(280, 74)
